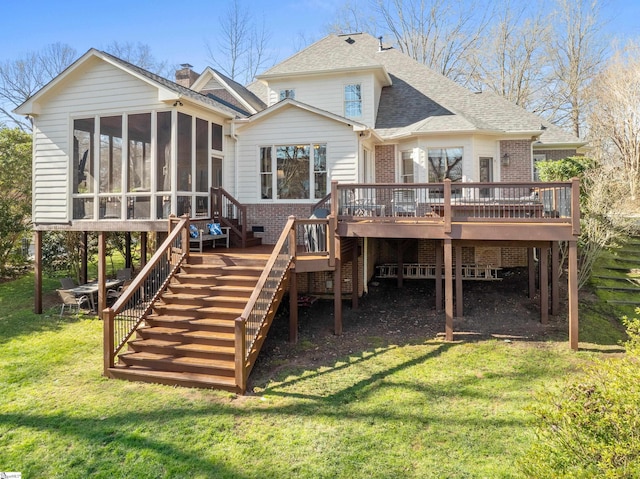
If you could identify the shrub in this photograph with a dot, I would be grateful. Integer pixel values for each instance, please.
(591, 428)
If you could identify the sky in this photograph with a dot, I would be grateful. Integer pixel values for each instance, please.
(178, 31)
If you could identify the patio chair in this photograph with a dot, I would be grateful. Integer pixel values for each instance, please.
(114, 294)
(67, 283)
(69, 300)
(404, 203)
(123, 274)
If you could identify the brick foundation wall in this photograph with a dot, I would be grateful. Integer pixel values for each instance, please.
(519, 152)
(385, 164)
(514, 257)
(273, 217)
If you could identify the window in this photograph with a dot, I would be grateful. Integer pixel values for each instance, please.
(445, 163)
(406, 167)
(139, 136)
(216, 137)
(111, 154)
(352, 101)
(300, 171)
(287, 94)
(536, 158)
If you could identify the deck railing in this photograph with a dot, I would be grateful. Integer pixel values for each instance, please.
(324, 203)
(230, 212)
(447, 201)
(131, 308)
(252, 326)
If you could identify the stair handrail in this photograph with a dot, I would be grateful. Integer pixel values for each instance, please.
(217, 209)
(325, 202)
(126, 315)
(251, 327)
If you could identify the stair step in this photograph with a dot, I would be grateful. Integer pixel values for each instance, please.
(190, 323)
(166, 362)
(201, 336)
(240, 291)
(224, 301)
(253, 242)
(197, 311)
(178, 348)
(186, 379)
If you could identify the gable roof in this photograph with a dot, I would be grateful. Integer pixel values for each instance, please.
(167, 90)
(244, 96)
(419, 100)
(291, 103)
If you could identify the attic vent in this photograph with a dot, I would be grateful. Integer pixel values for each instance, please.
(350, 41)
(542, 127)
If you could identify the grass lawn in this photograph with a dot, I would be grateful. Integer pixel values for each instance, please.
(430, 410)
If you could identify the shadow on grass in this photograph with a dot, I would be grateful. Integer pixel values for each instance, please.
(17, 316)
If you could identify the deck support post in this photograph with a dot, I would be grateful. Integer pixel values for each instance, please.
(37, 307)
(544, 285)
(293, 306)
(143, 249)
(531, 263)
(337, 289)
(448, 289)
(84, 257)
(555, 278)
(438, 275)
(573, 295)
(127, 249)
(459, 303)
(354, 275)
(102, 272)
(400, 253)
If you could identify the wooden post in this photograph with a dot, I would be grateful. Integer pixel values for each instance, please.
(448, 289)
(37, 270)
(447, 206)
(331, 233)
(400, 253)
(334, 199)
(127, 249)
(240, 355)
(575, 206)
(544, 285)
(573, 295)
(293, 306)
(354, 275)
(532, 272)
(459, 303)
(108, 342)
(337, 288)
(185, 242)
(84, 260)
(143, 249)
(555, 278)
(438, 275)
(102, 272)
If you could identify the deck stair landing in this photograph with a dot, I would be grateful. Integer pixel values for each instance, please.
(188, 339)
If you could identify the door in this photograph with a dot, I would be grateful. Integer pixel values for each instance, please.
(486, 175)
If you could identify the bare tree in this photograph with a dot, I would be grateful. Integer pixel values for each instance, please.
(511, 56)
(576, 52)
(355, 16)
(442, 34)
(615, 117)
(243, 48)
(139, 54)
(21, 78)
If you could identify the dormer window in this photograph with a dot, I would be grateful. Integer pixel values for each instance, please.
(287, 94)
(353, 101)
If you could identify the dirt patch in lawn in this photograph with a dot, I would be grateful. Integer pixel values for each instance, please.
(391, 315)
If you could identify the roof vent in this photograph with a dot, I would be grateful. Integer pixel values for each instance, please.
(380, 44)
(542, 127)
(350, 41)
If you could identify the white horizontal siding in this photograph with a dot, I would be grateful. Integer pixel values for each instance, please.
(293, 126)
(96, 88)
(327, 93)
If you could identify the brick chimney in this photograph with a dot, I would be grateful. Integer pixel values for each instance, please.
(186, 76)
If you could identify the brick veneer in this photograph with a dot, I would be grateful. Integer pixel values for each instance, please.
(385, 164)
(519, 152)
(273, 217)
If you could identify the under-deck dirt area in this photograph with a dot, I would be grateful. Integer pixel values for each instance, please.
(390, 315)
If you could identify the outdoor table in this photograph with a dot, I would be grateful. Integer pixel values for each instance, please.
(91, 290)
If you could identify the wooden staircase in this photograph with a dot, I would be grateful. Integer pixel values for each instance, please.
(236, 239)
(188, 339)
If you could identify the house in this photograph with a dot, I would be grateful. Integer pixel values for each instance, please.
(411, 168)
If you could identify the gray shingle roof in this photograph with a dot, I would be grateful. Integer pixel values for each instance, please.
(420, 100)
(246, 94)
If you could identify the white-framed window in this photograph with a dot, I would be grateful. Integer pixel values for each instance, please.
(353, 100)
(293, 172)
(406, 167)
(445, 163)
(287, 93)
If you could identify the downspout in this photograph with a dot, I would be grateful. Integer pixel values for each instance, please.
(232, 134)
(365, 263)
